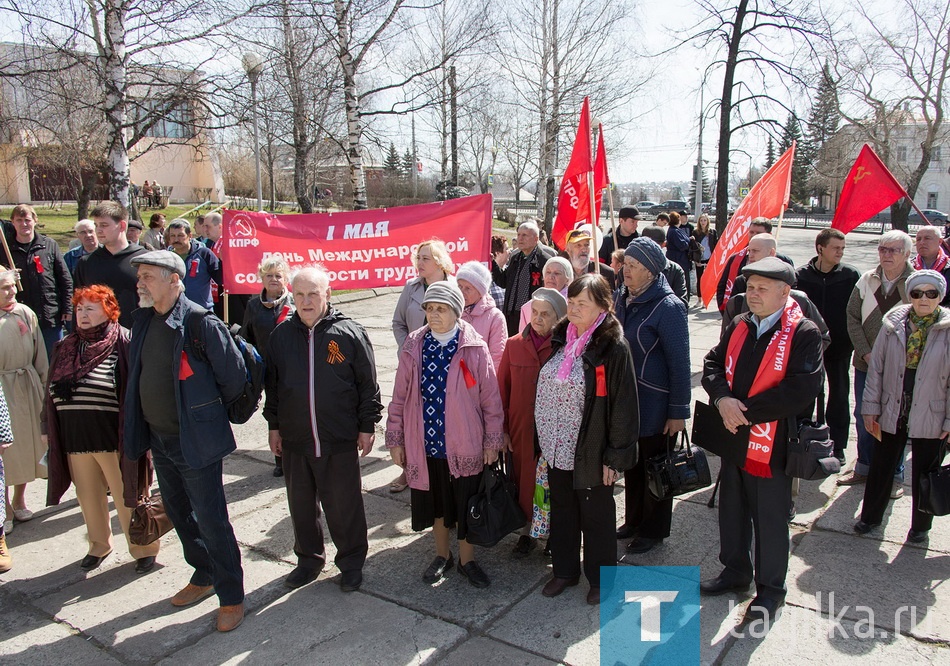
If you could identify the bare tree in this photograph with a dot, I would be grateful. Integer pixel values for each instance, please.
(750, 36)
(893, 73)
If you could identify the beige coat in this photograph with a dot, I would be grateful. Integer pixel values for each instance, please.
(930, 409)
(23, 369)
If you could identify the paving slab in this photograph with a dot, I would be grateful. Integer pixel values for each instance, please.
(131, 615)
(487, 652)
(904, 587)
(321, 624)
(818, 640)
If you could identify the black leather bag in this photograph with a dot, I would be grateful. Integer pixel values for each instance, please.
(678, 470)
(934, 487)
(811, 451)
(494, 512)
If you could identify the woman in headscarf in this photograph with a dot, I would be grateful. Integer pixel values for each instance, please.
(445, 423)
(23, 367)
(84, 409)
(907, 395)
(556, 274)
(518, 371)
(588, 420)
(274, 305)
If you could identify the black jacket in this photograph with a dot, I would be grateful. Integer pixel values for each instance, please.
(505, 278)
(830, 293)
(793, 396)
(47, 284)
(610, 426)
(737, 306)
(326, 374)
(607, 248)
(115, 272)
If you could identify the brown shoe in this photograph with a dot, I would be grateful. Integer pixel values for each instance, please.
(853, 479)
(230, 617)
(192, 594)
(6, 559)
(557, 585)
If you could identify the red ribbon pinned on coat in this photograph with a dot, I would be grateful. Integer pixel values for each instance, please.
(467, 374)
(38, 263)
(601, 375)
(184, 368)
(194, 268)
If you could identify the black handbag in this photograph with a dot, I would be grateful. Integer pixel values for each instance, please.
(494, 512)
(811, 451)
(934, 489)
(678, 470)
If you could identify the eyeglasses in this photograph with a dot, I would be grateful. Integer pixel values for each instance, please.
(930, 293)
(889, 251)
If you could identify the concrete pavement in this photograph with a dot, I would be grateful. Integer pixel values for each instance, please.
(53, 613)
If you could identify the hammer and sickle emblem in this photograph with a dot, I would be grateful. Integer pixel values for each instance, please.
(862, 172)
(333, 353)
(761, 430)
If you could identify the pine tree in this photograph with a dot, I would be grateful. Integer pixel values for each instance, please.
(823, 124)
(408, 164)
(770, 154)
(392, 165)
(793, 132)
(707, 190)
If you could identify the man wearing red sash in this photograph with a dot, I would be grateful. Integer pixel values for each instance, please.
(765, 369)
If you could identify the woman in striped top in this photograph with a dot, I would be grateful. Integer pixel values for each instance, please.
(84, 422)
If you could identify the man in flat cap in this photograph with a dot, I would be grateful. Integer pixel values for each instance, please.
(765, 369)
(578, 251)
(626, 232)
(184, 371)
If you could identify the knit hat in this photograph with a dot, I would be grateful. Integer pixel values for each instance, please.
(648, 253)
(445, 292)
(475, 273)
(563, 263)
(554, 297)
(927, 276)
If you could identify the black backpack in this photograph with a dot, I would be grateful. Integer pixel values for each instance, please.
(241, 410)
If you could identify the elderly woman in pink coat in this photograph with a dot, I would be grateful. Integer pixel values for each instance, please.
(474, 281)
(445, 423)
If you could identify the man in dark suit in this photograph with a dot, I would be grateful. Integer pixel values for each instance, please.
(765, 369)
(519, 273)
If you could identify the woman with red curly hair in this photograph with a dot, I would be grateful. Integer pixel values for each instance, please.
(84, 404)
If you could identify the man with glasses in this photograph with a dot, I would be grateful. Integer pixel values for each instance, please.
(876, 292)
(931, 255)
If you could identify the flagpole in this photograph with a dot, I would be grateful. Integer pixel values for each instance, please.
(610, 200)
(781, 215)
(593, 209)
(6, 250)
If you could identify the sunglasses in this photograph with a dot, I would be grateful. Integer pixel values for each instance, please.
(930, 293)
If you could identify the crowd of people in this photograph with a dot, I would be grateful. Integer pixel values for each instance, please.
(576, 373)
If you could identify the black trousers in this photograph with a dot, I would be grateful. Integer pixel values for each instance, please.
(587, 511)
(651, 518)
(926, 455)
(333, 481)
(513, 320)
(751, 505)
(838, 409)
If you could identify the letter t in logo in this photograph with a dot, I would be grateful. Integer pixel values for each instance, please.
(650, 601)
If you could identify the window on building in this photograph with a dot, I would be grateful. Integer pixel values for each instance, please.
(176, 123)
(932, 200)
(902, 153)
(936, 156)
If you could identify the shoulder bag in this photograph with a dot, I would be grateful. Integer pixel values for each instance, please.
(678, 470)
(934, 489)
(149, 522)
(811, 452)
(494, 512)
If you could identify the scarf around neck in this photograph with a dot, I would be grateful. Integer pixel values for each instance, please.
(918, 337)
(80, 353)
(575, 346)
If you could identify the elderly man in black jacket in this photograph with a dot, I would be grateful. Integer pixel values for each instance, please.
(765, 369)
(47, 282)
(520, 275)
(322, 405)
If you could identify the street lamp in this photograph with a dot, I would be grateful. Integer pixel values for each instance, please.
(253, 65)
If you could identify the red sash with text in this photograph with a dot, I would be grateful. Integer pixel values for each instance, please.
(731, 276)
(770, 373)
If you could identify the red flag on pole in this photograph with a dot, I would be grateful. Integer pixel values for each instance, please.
(601, 177)
(573, 201)
(868, 189)
(767, 198)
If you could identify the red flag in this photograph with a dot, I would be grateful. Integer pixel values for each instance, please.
(573, 202)
(868, 189)
(767, 198)
(601, 177)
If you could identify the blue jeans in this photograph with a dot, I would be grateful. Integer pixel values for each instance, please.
(51, 336)
(866, 441)
(194, 501)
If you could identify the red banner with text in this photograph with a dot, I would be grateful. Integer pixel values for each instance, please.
(361, 249)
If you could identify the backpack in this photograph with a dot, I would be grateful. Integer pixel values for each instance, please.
(241, 409)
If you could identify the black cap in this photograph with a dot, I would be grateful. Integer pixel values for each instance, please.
(629, 213)
(772, 268)
(135, 224)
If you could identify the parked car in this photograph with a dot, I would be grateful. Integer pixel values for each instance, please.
(644, 206)
(935, 217)
(669, 206)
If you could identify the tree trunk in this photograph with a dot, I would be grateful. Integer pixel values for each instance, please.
(351, 100)
(302, 147)
(725, 117)
(112, 53)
